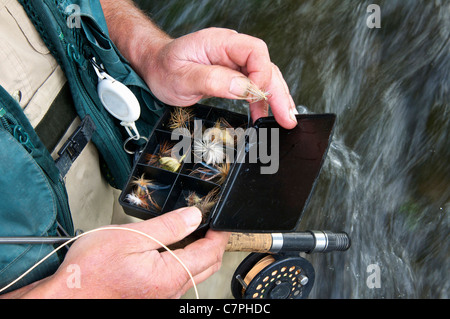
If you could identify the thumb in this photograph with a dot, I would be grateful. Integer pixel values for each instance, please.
(171, 227)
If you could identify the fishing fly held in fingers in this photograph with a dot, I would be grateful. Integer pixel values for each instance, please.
(247, 90)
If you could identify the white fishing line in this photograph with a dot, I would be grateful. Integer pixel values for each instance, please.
(101, 229)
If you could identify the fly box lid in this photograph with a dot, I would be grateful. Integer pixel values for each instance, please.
(244, 178)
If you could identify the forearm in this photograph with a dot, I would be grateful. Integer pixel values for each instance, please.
(45, 288)
(19, 293)
(212, 62)
(134, 34)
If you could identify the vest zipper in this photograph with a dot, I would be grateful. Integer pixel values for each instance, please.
(118, 160)
(12, 126)
(108, 138)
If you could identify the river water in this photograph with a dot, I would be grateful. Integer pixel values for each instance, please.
(386, 179)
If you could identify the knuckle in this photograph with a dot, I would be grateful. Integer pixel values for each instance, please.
(210, 84)
(180, 280)
(261, 45)
(275, 67)
(218, 30)
(216, 267)
(218, 256)
(177, 281)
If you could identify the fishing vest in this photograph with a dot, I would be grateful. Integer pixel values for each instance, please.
(33, 201)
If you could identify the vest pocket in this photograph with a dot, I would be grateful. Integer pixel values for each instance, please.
(28, 207)
(104, 48)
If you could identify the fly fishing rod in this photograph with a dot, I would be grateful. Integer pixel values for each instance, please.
(273, 270)
(308, 242)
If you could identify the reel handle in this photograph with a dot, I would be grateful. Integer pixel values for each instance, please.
(307, 241)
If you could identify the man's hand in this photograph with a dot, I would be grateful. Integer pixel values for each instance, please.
(123, 264)
(210, 62)
(218, 62)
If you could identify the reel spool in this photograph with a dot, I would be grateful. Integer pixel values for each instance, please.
(267, 276)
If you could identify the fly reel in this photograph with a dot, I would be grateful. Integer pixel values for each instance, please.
(267, 276)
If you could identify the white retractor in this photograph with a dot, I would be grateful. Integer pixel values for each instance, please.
(118, 100)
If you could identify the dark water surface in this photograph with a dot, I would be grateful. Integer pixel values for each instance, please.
(386, 180)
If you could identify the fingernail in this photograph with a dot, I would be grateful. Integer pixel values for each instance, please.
(292, 113)
(192, 216)
(239, 85)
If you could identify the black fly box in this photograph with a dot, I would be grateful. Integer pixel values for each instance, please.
(244, 178)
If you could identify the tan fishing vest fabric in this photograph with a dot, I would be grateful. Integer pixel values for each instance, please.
(32, 76)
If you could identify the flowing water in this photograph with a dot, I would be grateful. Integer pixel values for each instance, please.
(386, 180)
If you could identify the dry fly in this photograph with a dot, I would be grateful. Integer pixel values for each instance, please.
(144, 200)
(220, 133)
(136, 200)
(253, 93)
(165, 149)
(142, 185)
(141, 196)
(180, 117)
(205, 203)
(208, 173)
(164, 159)
(223, 169)
(210, 151)
(153, 203)
(170, 163)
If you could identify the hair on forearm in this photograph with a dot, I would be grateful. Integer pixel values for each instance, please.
(131, 29)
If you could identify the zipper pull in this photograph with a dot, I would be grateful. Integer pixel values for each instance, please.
(23, 138)
(16, 130)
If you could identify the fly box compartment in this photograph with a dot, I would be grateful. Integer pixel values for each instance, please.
(244, 178)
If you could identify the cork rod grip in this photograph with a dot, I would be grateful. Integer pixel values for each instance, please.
(249, 242)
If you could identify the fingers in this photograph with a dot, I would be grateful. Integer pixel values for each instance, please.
(221, 62)
(170, 227)
(280, 101)
(203, 258)
(205, 252)
(252, 56)
(226, 83)
(217, 80)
